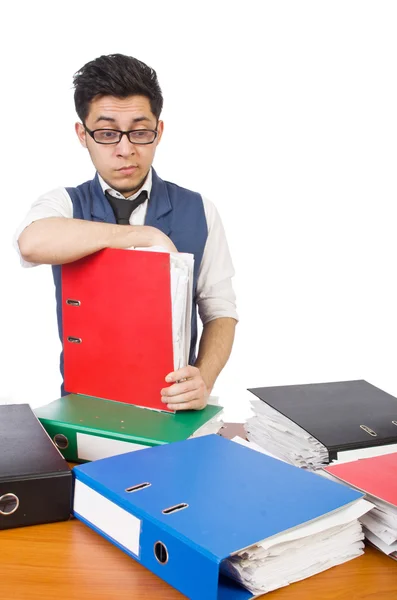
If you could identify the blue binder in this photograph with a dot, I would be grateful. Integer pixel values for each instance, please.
(227, 497)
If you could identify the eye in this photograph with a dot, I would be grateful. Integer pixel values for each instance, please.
(106, 135)
(109, 134)
(142, 136)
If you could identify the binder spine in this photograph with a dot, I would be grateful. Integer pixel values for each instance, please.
(151, 542)
(36, 500)
(188, 569)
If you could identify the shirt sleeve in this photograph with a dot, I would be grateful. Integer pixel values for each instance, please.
(56, 203)
(215, 295)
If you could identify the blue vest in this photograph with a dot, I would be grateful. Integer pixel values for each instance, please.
(177, 212)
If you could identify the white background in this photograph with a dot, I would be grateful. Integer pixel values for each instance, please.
(284, 114)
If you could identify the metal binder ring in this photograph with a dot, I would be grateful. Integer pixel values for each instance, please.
(161, 553)
(10, 500)
(61, 441)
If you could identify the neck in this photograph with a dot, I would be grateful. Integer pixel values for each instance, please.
(127, 192)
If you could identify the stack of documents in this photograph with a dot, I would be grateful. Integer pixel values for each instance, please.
(301, 553)
(182, 266)
(181, 272)
(216, 519)
(312, 425)
(126, 322)
(295, 555)
(283, 438)
(377, 477)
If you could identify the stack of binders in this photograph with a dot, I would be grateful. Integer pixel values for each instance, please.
(315, 424)
(126, 325)
(377, 478)
(35, 480)
(217, 520)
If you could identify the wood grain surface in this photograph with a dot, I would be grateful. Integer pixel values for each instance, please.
(69, 561)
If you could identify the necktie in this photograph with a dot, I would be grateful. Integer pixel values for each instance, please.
(123, 208)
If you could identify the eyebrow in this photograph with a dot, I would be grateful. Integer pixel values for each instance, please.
(112, 120)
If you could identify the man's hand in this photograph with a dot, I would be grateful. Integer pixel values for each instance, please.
(164, 240)
(150, 236)
(188, 392)
(133, 236)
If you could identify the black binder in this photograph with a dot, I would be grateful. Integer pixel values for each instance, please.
(35, 479)
(343, 415)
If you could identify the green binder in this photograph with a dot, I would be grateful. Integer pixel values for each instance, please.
(85, 428)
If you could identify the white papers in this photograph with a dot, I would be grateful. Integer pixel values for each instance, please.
(182, 266)
(287, 441)
(383, 525)
(380, 524)
(181, 280)
(301, 552)
(379, 543)
(283, 438)
(212, 426)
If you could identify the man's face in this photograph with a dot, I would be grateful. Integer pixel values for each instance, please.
(124, 166)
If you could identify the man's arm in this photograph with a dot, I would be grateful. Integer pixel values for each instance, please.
(215, 347)
(59, 240)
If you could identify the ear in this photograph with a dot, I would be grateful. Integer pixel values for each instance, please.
(81, 134)
(160, 129)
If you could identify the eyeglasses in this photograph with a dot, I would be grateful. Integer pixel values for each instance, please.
(113, 136)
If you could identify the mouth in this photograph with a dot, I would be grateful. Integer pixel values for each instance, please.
(127, 170)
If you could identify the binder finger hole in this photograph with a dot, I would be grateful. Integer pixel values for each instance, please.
(172, 509)
(8, 504)
(61, 441)
(161, 553)
(368, 430)
(140, 486)
(72, 302)
(74, 340)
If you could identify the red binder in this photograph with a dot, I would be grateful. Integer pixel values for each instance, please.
(376, 476)
(117, 326)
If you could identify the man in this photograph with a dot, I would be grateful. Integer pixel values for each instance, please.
(119, 101)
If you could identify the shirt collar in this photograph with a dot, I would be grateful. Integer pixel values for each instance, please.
(146, 186)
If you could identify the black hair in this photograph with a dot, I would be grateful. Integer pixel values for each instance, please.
(116, 75)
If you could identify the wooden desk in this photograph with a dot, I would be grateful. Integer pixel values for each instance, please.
(68, 561)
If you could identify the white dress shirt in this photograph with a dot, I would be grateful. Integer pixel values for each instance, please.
(215, 296)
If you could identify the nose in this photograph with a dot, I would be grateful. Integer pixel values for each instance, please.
(125, 147)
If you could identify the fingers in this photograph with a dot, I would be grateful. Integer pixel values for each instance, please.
(186, 397)
(197, 404)
(184, 373)
(184, 392)
(188, 393)
(181, 388)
